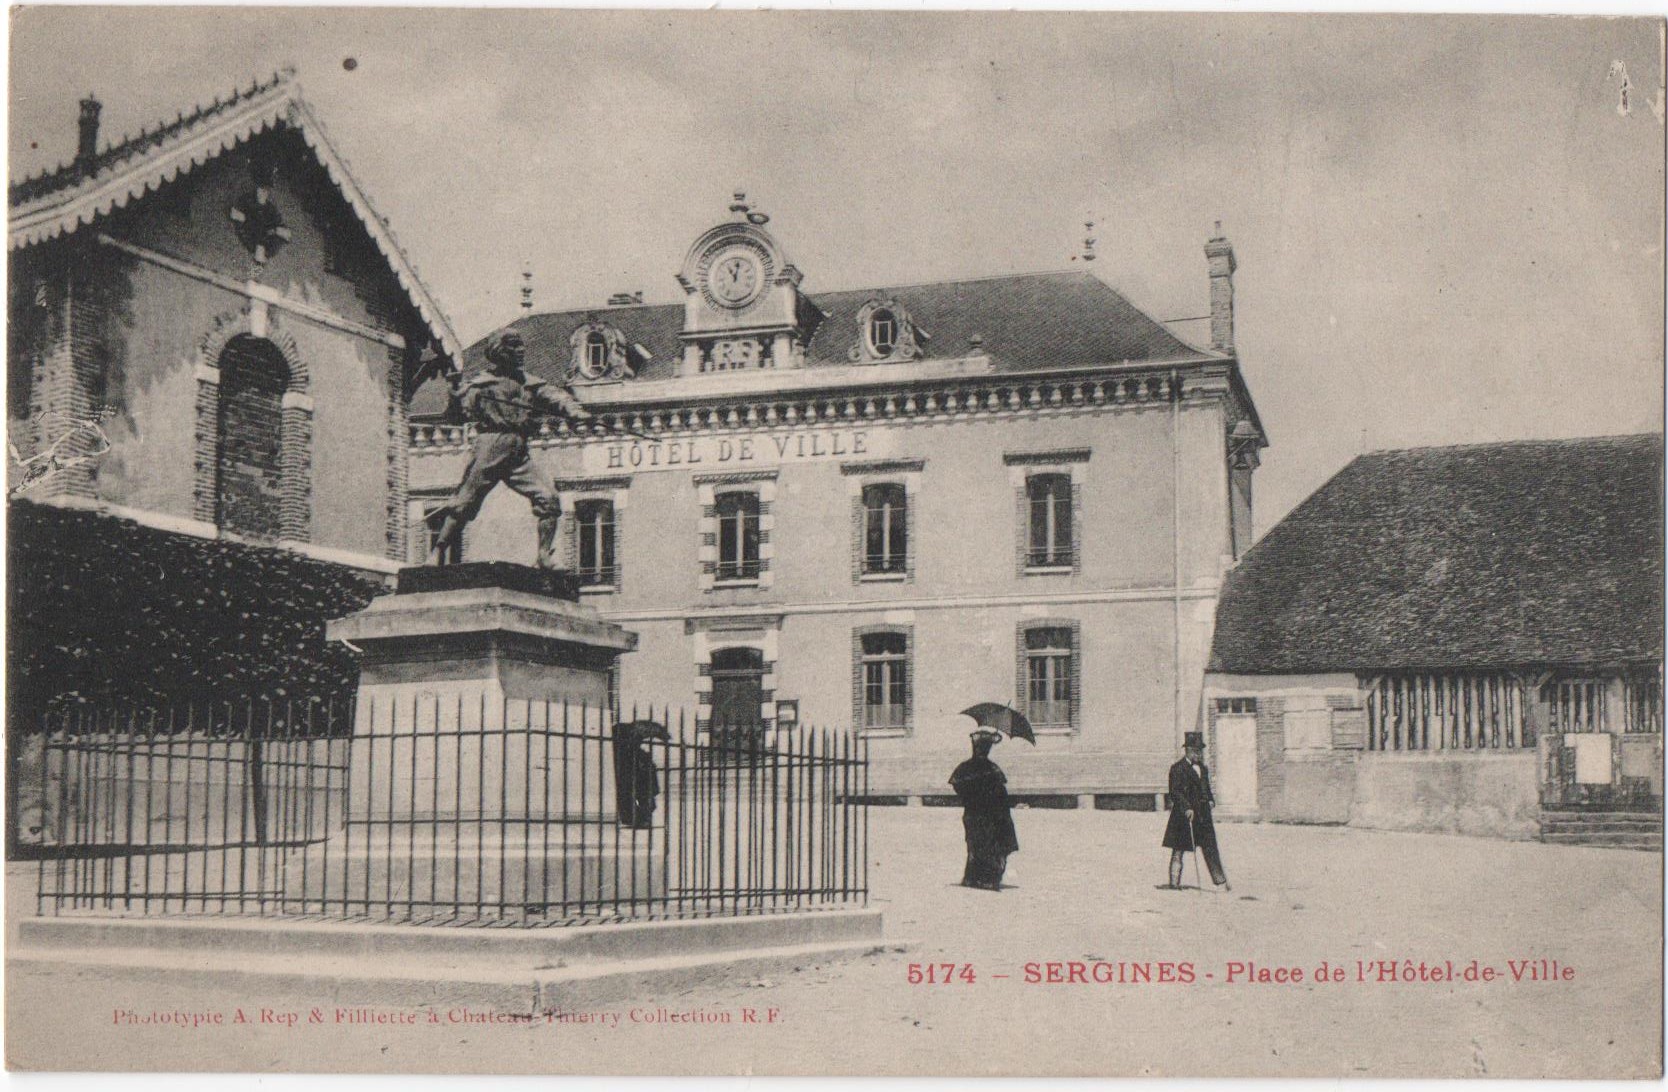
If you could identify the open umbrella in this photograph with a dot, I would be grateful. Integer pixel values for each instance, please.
(637, 730)
(1001, 718)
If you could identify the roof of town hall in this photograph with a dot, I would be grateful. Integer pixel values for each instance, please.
(74, 194)
(1028, 322)
(1493, 555)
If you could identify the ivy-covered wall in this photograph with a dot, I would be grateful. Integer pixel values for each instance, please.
(105, 610)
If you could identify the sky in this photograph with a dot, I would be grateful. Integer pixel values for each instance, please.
(1446, 230)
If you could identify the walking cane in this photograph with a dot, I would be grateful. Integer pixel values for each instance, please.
(1199, 879)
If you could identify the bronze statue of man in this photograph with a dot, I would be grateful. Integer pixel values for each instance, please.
(504, 404)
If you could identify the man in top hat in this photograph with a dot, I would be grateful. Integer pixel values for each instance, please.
(1190, 825)
(986, 818)
(504, 403)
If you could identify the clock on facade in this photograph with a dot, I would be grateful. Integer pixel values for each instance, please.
(734, 278)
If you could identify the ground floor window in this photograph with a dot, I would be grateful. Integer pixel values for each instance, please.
(1642, 701)
(424, 534)
(882, 676)
(1449, 712)
(1049, 674)
(737, 695)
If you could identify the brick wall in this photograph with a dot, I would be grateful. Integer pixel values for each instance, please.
(396, 449)
(67, 308)
(249, 428)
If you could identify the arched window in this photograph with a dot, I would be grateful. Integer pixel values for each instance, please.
(249, 436)
(737, 695)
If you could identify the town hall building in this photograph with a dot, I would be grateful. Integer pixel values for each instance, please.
(877, 507)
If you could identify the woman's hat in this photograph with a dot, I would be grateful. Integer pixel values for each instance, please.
(985, 733)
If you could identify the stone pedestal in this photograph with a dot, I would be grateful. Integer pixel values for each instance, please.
(481, 769)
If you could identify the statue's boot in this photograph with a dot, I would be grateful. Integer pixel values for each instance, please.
(547, 540)
(449, 531)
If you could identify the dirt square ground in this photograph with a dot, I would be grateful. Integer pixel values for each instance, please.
(1085, 888)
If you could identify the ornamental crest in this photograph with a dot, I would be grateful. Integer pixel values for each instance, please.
(255, 217)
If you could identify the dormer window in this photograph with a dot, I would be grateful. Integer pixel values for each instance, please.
(883, 333)
(599, 351)
(596, 355)
(886, 334)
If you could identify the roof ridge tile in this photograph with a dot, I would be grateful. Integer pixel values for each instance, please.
(119, 151)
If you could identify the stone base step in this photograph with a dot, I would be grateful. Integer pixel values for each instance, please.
(529, 947)
(1648, 826)
(1582, 815)
(512, 970)
(1637, 829)
(1611, 839)
(417, 982)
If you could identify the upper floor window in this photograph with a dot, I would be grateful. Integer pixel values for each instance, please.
(1050, 664)
(738, 535)
(596, 354)
(1050, 541)
(886, 333)
(594, 530)
(885, 528)
(883, 666)
(599, 351)
(883, 333)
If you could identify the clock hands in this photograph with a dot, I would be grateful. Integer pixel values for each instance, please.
(734, 278)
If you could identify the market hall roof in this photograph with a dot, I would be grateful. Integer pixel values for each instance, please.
(76, 194)
(1026, 322)
(1495, 555)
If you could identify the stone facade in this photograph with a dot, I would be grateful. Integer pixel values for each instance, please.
(1141, 453)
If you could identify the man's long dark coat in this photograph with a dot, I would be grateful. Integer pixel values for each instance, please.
(1190, 790)
(986, 818)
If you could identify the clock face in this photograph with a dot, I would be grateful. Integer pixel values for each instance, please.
(735, 278)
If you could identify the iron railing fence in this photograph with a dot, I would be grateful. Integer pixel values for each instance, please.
(452, 808)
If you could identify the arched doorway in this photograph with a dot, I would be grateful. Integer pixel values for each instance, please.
(249, 437)
(737, 694)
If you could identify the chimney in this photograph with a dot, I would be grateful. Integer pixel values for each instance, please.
(1220, 253)
(88, 144)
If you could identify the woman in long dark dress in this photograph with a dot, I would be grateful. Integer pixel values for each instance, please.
(985, 817)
